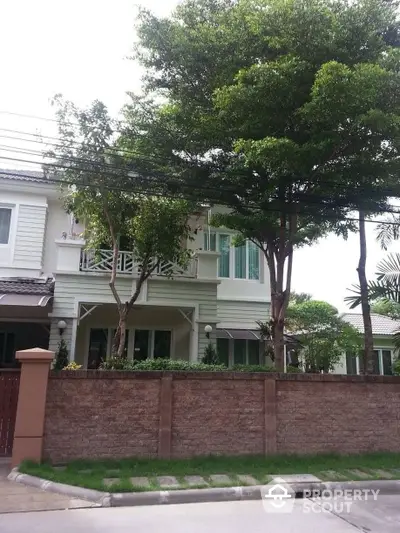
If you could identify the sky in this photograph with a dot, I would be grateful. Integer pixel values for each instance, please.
(80, 48)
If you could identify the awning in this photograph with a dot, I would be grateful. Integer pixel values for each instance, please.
(249, 334)
(25, 300)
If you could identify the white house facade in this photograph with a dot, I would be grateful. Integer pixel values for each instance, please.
(52, 287)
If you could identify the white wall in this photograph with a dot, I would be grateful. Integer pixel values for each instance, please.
(23, 254)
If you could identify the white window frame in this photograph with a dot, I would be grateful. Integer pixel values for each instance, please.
(232, 257)
(380, 358)
(11, 208)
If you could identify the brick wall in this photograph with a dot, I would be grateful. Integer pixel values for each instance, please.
(93, 414)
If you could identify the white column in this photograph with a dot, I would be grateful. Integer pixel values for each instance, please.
(194, 342)
(73, 339)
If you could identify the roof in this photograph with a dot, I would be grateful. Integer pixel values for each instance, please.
(381, 325)
(41, 287)
(36, 176)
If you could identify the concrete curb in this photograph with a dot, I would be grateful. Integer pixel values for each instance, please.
(100, 498)
(223, 494)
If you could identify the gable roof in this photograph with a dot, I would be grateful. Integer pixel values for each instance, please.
(37, 176)
(381, 325)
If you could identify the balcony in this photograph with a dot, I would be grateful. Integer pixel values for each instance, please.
(73, 258)
(101, 261)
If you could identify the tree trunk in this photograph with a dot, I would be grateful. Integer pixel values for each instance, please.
(279, 344)
(366, 311)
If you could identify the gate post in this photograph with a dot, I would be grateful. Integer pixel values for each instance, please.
(29, 424)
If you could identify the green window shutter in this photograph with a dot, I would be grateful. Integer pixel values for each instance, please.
(223, 351)
(239, 352)
(254, 352)
(254, 261)
(240, 262)
(223, 262)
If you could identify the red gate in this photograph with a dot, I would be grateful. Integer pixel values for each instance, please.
(9, 386)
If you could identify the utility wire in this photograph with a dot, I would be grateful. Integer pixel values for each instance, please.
(45, 180)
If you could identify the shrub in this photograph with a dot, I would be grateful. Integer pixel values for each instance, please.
(293, 370)
(210, 356)
(396, 367)
(61, 359)
(72, 366)
(252, 368)
(158, 364)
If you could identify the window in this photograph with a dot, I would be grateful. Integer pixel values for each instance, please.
(240, 262)
(125, 353)
(97, 347)
(351, 363)
(381, 362)
(246, 352)
(142, 344)
(7, 348)
(223, 351)
(162, 345)
(5, 222)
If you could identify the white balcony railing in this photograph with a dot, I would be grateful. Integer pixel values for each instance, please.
(101, 261)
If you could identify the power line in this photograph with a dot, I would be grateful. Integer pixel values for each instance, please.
(148, 159)
(107, 169)
(166, 195)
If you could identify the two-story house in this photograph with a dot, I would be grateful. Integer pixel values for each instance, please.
(52, 287)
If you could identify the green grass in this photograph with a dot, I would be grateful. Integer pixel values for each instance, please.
(258, 466)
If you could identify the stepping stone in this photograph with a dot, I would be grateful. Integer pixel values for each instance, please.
(110, 481)
(220, 478)
(296, 478)
(140, 481)
(247, 480)
(382, 473)
(168, 482)
(59, 468)
(359, 473)
(195, 480)
(332, 475)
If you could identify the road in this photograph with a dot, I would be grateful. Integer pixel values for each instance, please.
(382, 516)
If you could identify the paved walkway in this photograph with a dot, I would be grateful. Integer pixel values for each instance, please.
(15, 497)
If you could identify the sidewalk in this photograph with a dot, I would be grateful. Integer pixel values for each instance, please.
(15, 497)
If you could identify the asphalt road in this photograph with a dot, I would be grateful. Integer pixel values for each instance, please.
(382, 516)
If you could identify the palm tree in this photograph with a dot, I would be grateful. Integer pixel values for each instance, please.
(388, 231)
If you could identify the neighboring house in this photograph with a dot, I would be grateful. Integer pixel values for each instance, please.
(383, 329)
(52, 287)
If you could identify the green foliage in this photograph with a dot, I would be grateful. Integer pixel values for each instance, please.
(293, 369)
(396, 367)
(383, 306)
(299, 297)
(61, 357)
(288, 112)
(210, 356)
(252, 368)
(323, 335)
(159, 364)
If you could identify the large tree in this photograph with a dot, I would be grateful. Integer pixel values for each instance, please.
(324, 336)
(286, 111)
(121, 209)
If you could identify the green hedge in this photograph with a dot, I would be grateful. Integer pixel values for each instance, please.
(179, 365)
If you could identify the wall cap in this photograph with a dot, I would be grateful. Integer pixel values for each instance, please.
(35, 355)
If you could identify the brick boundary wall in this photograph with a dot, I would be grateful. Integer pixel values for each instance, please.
(100, 414)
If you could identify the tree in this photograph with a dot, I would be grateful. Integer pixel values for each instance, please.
(61, 359)
(98, 190)
(210, 356)
(287, 112)
(385, 307)
(299, 297)
(323, 335)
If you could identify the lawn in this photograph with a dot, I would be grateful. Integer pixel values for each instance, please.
(91, 474)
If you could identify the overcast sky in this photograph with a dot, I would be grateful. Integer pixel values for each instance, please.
(80, 49)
